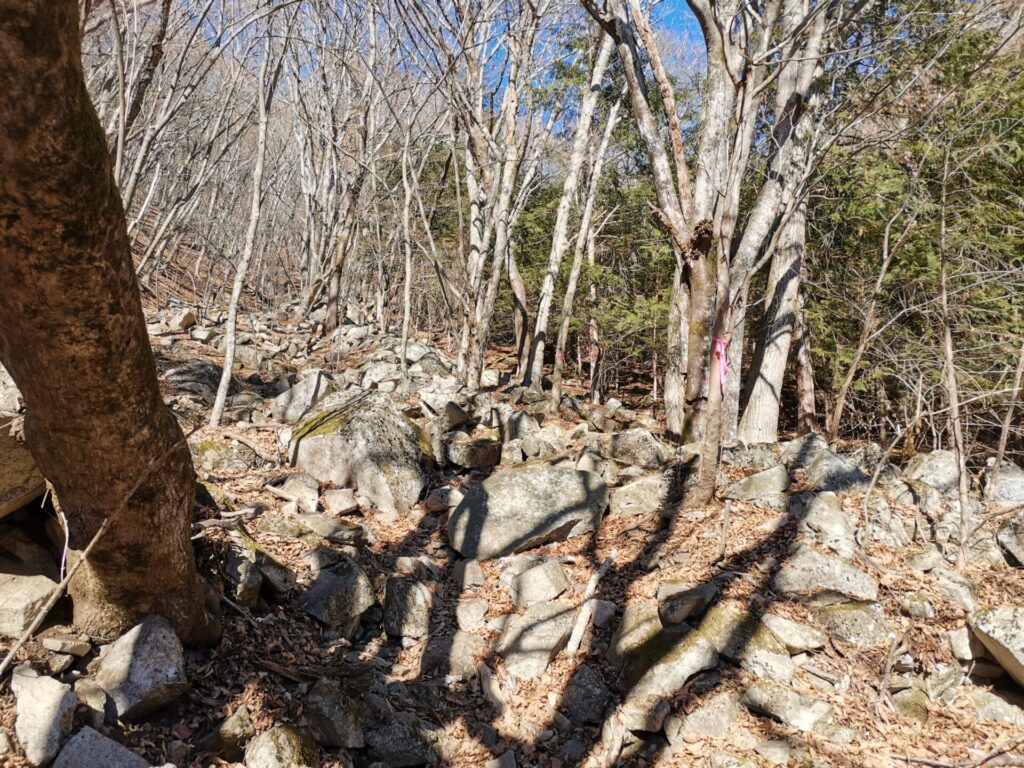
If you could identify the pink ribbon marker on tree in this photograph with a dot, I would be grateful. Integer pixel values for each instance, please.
(721, 351)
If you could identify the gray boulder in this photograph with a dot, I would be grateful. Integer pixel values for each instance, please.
(1001, 630)
(295, 402)
(339, 596)
(45, 711)
(650, 494)
(938, 469)
(1011, 537)
(821, 515)
(586, 697)
(539, 583)
(860, 623)
(525, 506)
(831, 472)
(335, 717)
(144, 669)
(1005, 487)
(656, 672)
(785, 705)
(678, 601)
(89, 749)
(369, 444)
(806, 571)
(10, 397)
(739, 635)
(766, 483)
(407, 607)
(529, 642)
(635, 447)
(283, 746)
(800, 453)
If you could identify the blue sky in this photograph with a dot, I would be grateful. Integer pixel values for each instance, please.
(677, 16)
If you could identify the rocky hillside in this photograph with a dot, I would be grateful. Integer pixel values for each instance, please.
(410, 574)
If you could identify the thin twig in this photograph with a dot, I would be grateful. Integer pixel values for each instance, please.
(587, 606)
(255, 448)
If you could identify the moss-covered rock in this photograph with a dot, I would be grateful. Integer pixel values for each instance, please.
(369, 444)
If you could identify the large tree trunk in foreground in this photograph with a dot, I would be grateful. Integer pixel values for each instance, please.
(73, 336)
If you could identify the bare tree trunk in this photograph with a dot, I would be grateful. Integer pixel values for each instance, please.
(560, 238)
(265, 96)
(952, 386)
(584, 243)
(73, 336)
(1004, 432)
(760, 422)
(807, 417)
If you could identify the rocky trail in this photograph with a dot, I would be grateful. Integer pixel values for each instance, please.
(411, 574)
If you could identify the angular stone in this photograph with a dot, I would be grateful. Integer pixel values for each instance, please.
(457, 655)
(712, 719)
(830, 472)
(912, 704)
(586, 697)
(278, 577)
(800, 453)
(635, 447)
(1011, 537)
(340, 501)
(473, 453)
(304, 490)
(283, 746)
(525, 506)
(144, 669)
(993, 708)
(640, 624)
(859, 623)
(787, 706)
(20, 479)
(822, 516)
(45, 711)
(729, 760)
(1001, 630)
(768, 482)
(89, 749)
(530, 641)
(938, 469)
(541, 582)
(22, 595)
(1005, 488)
(795, 636)
(407, 607)
(650, 494)
(183, 320)
(468, 574)
(657, 671)
(295, 402)
(401, 744)
(230, 737)
(367, 443)
(339, 596)
(738, 635)
(808, 572)
(677, 601)
(470, 614)
(334, 716)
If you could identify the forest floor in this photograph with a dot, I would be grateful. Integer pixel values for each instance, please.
(269, 658)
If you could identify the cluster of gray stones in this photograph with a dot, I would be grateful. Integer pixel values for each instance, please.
(377, 437)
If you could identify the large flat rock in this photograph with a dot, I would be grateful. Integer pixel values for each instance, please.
(524, 507)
